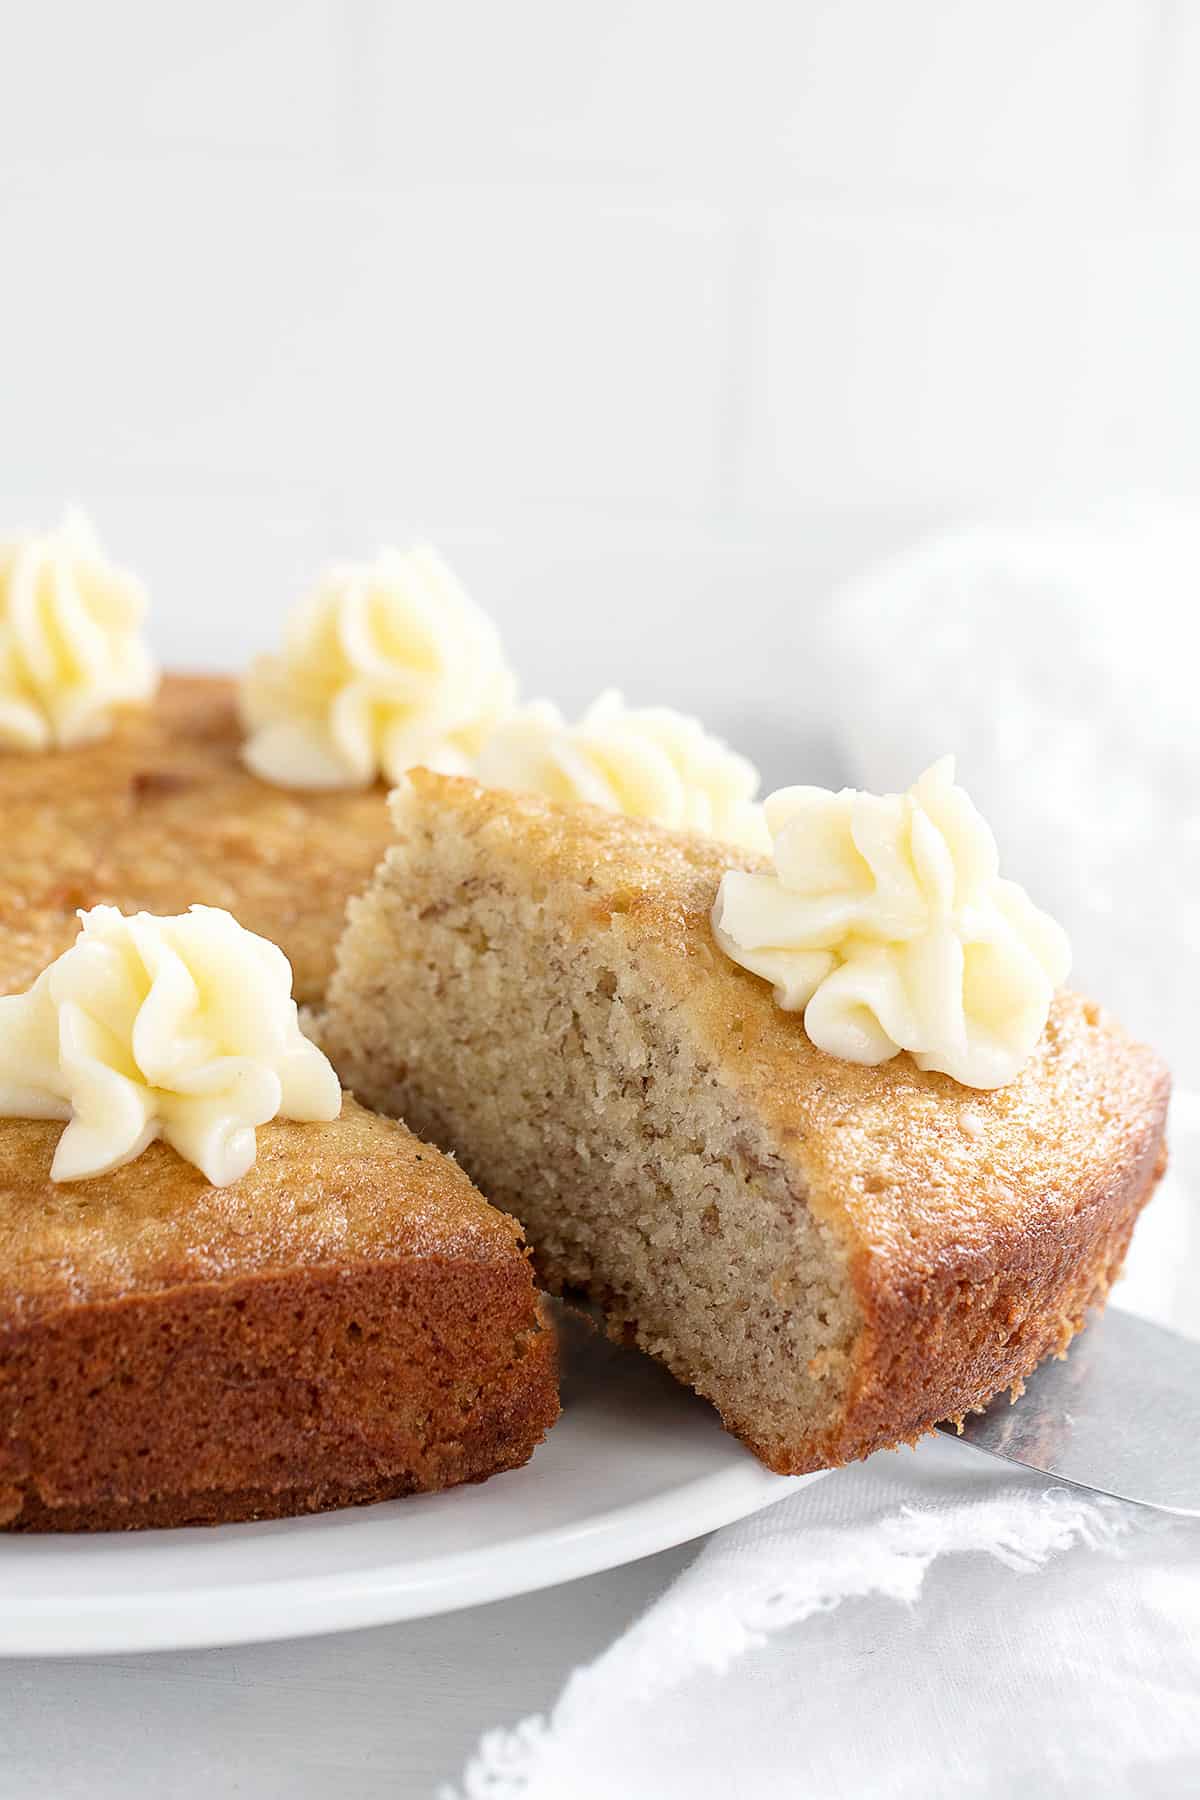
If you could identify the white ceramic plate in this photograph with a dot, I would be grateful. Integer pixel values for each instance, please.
(636, 1464)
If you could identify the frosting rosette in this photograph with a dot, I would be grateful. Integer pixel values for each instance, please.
(885, 920)
(646, 762)
(71, 649)
(385, 666)
(177, 1028)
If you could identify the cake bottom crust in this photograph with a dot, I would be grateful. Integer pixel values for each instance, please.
(243, 1505)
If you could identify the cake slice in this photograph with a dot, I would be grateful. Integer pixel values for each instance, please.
(164, 813)
(837, 1256)
(348, 1322)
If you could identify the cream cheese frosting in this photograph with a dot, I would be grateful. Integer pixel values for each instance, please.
(646, 762)
(71, 649)
(885, 920)
(177, 1028)
(386, 665)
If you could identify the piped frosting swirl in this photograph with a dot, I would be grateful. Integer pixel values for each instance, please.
(386, 665)
(646, 762)
(885, 920)
(177, 1028)
(71, 649)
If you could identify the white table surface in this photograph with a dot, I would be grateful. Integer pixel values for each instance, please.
(358, 1716)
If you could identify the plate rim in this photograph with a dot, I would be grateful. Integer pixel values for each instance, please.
(235, 1613)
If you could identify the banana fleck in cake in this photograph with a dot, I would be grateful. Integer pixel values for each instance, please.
(837, 1255)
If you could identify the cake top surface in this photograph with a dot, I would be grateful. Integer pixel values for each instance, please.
(907, 1161)
(162, 814)
(359, 1189)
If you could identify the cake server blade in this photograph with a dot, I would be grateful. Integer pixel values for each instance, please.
(1120, 1414)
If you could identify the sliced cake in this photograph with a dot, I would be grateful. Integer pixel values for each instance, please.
(226, 1291)
(348, 1322)
(837, 1255)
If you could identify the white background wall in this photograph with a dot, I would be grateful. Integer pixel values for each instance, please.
(662, 317)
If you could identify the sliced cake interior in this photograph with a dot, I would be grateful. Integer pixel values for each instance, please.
(836, 1256)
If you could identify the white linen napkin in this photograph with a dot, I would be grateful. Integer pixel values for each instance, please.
(927, 1622)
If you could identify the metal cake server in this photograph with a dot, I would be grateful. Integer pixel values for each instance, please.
(1120, 1415)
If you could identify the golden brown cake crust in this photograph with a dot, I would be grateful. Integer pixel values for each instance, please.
(349, 1321)
(163, 814)
(978, 1226)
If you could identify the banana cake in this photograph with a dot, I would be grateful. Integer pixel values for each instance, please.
(838, 1256)
(164, 812)
(348, 1322)
(226, 1290)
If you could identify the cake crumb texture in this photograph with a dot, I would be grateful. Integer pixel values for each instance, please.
(837, 1256)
